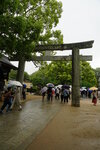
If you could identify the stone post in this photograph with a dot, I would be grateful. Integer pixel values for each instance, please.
(75, 78)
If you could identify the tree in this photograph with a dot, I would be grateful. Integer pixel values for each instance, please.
(87, 75)
(25, 24)
(56, 73)
(61, 73)
(97, 72)
(13, 73)
(26, 76)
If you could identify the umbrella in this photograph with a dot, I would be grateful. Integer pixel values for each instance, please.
(59, 86)
(66, 86)
(83, 89)
(14, 83)
(93, 88)
(44, 89)
(50, 85)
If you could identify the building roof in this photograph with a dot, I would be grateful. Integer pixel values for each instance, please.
(6, 61)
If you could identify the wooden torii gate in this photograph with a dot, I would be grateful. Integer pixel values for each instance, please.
(75, 47)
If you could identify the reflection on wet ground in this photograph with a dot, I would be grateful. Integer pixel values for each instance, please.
(19, 128)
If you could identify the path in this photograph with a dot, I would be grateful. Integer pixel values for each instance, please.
(71, 129)
(53, 126)
(19, 128)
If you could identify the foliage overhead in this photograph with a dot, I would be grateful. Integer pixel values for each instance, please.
(26, 23)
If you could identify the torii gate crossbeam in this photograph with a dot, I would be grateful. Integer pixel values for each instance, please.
(80, 45)
(58, 58)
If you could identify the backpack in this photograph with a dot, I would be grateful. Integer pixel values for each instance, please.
(65, 93)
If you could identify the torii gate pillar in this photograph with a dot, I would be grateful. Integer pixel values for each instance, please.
(75, 78)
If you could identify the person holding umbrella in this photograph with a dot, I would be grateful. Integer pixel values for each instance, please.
(94, 98)
(49, 94)
(43, 92)
(17, 95)
(49, 91)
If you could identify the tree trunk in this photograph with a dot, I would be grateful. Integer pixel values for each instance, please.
(20, 72)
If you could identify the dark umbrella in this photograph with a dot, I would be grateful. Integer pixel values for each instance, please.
(50, 85)
(66, 86)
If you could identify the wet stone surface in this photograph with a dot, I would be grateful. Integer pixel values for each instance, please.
(19, 128)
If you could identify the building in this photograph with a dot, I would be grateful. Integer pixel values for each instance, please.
(5, 67)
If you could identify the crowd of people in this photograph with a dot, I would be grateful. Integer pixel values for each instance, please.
(92, 94)
(12, 96)
(62, 94)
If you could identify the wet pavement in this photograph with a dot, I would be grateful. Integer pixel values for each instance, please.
(19, 128)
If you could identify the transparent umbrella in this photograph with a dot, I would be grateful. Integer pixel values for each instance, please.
(14, 83)
(44, 89)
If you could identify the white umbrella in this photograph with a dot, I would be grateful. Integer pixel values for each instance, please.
(14, 83)
(59, 86)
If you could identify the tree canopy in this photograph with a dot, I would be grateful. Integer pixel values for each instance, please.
(27, 23)
(61, 73)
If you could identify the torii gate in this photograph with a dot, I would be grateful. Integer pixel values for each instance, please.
(75, 62)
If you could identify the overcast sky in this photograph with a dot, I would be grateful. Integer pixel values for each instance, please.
(80, 22)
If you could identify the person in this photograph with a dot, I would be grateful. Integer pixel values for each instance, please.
(68, 92)
(94, 98)
(11, 101)
(24, 92)
(62, 95)
(65, 94)
(17, 99)
(49, 94)
(57, 93)
(7, 100)
(53, 92)
(89, 93)
(43, 92)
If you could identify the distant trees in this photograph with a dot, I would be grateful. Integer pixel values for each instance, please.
(87, 75)
(13, 73)
(61, 73)
(97, 72)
